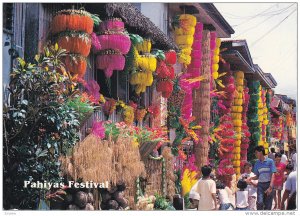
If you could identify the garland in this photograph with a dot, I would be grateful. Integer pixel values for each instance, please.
(184, 30)
(245, 129)
(253, 121)
(237, 109)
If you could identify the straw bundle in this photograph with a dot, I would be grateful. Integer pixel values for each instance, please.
(201, 102)
(170, 177)
(104, 160)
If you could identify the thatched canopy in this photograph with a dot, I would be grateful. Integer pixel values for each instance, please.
(134, 19)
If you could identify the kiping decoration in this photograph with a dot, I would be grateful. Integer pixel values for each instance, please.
(245, 128)
(166, 74)
(71, 30)
(111, 44)
(193, 71)
(184, 31)
(145, 65)
(236, 112)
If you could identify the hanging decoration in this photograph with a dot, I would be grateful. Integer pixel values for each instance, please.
(74, 20)
(166, 74)
(71, 30)
(253, 121)
(263, 118)
(226, 135)
(144, 65)
(193, 72)
(236, 112)
(190, 175)
(184, 31)
(245, 129)
(268, 103)
(114, 44)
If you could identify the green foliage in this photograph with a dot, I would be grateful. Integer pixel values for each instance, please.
(161, 203)
(39, 126)
(81, 106)
(187, 202)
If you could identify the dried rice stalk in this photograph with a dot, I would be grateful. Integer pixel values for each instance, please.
(201, 101)
(99, 160)
(170, 177)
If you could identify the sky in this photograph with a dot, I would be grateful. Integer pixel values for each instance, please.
(271, 33)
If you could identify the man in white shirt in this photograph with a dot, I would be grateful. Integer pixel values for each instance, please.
(252, 186)
(284, 159)
(206, 188)
(290, 189)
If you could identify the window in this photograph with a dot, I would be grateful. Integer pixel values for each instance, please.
(116, 86)
(8, 16)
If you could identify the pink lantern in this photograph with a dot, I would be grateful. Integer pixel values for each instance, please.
(114, 24)
(117, 42)
(109, 63)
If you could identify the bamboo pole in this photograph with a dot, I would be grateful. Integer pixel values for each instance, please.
(201, 103)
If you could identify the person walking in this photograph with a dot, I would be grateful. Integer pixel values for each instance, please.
(206, 188)
(271, 155)
(264, 170)
(290, 189)
(242, 195)
(278, 180)
(252, 186)
(284, 158)
(294, 160)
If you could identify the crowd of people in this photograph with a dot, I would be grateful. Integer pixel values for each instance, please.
(257, 188)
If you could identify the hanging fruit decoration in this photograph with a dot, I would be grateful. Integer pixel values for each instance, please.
(184, 32)
(114, 44)
(236, 113)
(166, 74)
(72, 29)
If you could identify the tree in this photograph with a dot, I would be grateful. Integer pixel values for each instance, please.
(39, 126)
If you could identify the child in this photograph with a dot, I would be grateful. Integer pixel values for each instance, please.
(278, 180)
(252, 186)
(223, 197)
(242, 195)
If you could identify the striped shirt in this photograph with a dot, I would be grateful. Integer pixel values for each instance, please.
(264, 169)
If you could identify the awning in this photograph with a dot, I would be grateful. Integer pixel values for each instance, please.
(234, 58)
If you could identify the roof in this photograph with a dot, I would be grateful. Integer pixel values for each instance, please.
(135, 22)
(207, 14)
(241, 46)
(271, 78)
(264, 80)
(217, 17)
(237, 61)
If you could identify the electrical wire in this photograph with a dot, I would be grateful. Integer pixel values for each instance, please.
(274, 27)
(271, 16)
